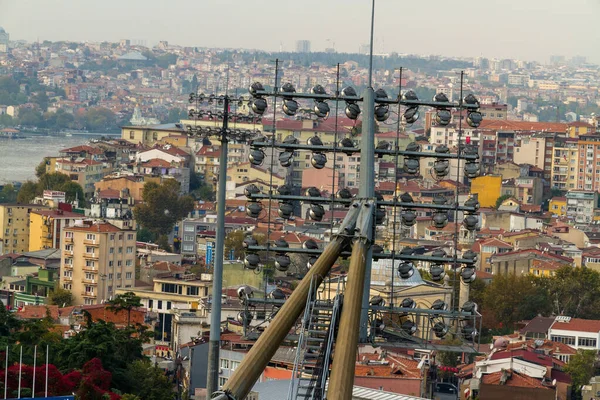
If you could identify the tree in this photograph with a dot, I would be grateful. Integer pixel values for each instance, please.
(148, 382)
(234, 241)
(42, 167)
(163, 207)
(27, 192)
(8, 194)
(205, 192)
(501, 199)
(124, 302)
(61, 297)
(581, 367)
(575, 292)
(8, 323)
(511, 298)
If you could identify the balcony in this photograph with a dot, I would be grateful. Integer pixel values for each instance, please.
(89, 255)
(68, 266)
(88, 294)
(68, 239)
(91, 269)
(90, 281)
(67, 278)
(68, 252)
(91, 242)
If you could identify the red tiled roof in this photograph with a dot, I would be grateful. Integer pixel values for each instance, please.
(57, 213)
(109, 194)
(515, 379)
(82, 148)
(156, 162)
(96, 227)
(578, 324)
(509, 125)
(38, 312)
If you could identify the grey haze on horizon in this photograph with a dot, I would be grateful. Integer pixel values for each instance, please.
(522, 29)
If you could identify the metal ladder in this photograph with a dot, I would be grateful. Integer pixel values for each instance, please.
(315, 345)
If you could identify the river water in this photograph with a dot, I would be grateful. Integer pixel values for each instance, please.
(19, 157)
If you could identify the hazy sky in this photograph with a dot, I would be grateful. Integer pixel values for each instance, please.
(524, 29)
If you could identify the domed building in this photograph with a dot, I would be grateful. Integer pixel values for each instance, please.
(4, 37)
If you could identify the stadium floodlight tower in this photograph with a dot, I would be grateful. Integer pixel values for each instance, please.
(355, 233)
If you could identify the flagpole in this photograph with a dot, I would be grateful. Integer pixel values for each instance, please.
(20, 371)
(6, 376)
(34, 365)
(46, 390)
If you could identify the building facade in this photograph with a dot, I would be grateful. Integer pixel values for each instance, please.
(14, 225)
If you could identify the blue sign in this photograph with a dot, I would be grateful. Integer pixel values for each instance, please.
(209, 253)
(231, 255)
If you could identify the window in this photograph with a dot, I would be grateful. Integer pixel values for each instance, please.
(570, 340)
(168, 305)
(89, 263)
(222, 381)
(111, 264)
(118, 275)
(192, 291)
(159, 305)
(69, 247)
(224, 363)
(150, 303)
(68, 261)
(89, 249)
(170, 288)
(120, 236)
(68, 274)
(128, 275)
(234, 365)
(130, 236)
(188, 238)
(69, 235)
(189, 228)
(67, 286)
(119, 263)
(90, 236)
(89, 276)
(112, 236)
(131, 135)
(586, 342)
(120, 250)
(128, 263)
(111, 250)
(129, 250)
(110, 276)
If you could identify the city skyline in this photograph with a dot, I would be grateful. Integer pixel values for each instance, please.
(526, 30)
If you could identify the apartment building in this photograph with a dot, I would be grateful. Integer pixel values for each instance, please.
(84, 171)
(565, 171)
(14, 226)
(46, 226)
(581, 205)
(575, 332)
(589, 163)
(97, 258)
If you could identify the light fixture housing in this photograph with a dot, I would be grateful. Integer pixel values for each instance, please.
(316, 212)
(249, 241)
(253, 210)
(321, 109)
(245, 317)
(437, 272)
(286, 210)
(408, 303)
(290, 107)
(469, 307)
(282, 262)
(311, 261)
(251, 261)
(470, 222)
(467, 274)
(474, 119)
(409, 327)
(406, 269)
(259, 105)
(251, 190)
(312, 192)
(382, 112)
(409, 217)
(440, 329)
(352, 111)
(318, 160)
(310, 244)
(411, 115)
(256, 157)
(286, 158)
(377, 301)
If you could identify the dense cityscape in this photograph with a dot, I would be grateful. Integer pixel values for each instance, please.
(108, 254)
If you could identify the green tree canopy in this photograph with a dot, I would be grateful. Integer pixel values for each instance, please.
(575, 292)
(163, 207)
(581, 368)
(61, 297)
(124, 302)
(52, 181)
(148, 382)
(235, 241)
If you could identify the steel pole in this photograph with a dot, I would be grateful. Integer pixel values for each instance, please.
(344, 356)
(215, 313)
(260, 354)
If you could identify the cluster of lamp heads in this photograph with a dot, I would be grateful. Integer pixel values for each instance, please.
(406, 269)
(439, 327)
(282, 261)
(321, 109)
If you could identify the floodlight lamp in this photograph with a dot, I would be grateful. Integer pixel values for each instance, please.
(206, 142)
(469, 332)
(245, 317)
(443, 117)
(312, 192)
(314, 141)
(470, 222)
(408, 303)
(249, 241)
(440, 329)
(286, 158)
(220, 395)
(251, 261)
(472, 169)
(251, 190)
(286, 210)
(343, 193)
(413, 147)
(311, 261)
(406, 269)
(352, 111)
(255, 88)
(382, 112)
(284, 190)
(378, 196)
(377, 301)
(378, 326)
(439, 200)
(409, 327)
(380, 94)
(438, 253)
(411, 115)
(409, 217)
(411, 165)
(407, 251)
(277, 294)
(468, 275)
(471, 256)
(346, 142)
(290, 140)
(254, 209)
(318, 160)
(318, 90)
(474, 119)
(287, 89)
(256, 157)
(259, 105)
(441, 167)
(437, 272)
(349, 91)
(380, 215)
(377, 251)
(440, 98)
(472, 202)
(440, 219)
(290, 107)
(321, 109)
(245, 291)
(439, 305)
(282, 243)
(469, 307)
(316, 212)
(384, 145)
(471, 100)
(406, 198)
(310, 244)
(282, 262)
(410, 96)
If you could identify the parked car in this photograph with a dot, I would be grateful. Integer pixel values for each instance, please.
(445, 391)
